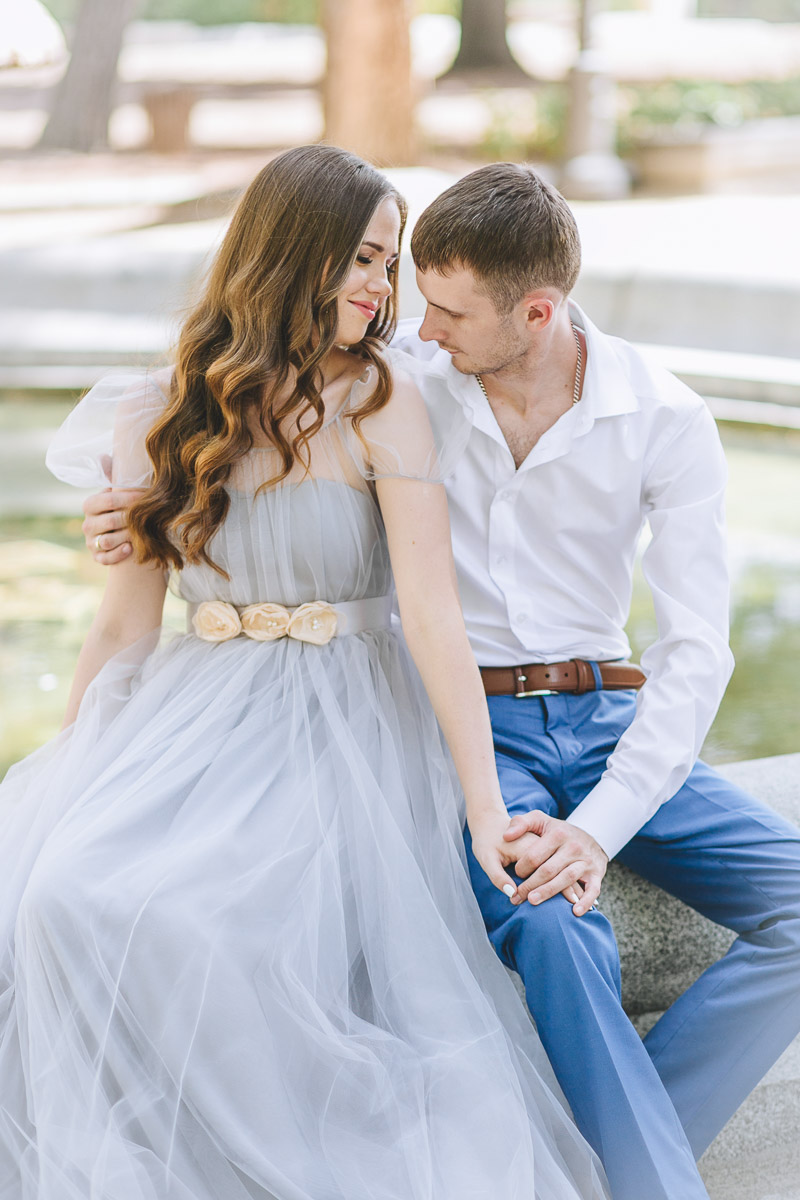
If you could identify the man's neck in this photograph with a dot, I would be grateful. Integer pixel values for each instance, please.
(539, 382)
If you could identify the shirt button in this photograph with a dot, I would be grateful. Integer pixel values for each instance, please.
(522, 618)
(501, 558)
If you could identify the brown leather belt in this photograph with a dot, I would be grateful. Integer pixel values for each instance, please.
(542, 679)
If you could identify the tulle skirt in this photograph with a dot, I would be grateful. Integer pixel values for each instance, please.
(241, 959)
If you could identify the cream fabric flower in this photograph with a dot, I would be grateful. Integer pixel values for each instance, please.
(216, 621)
(316, 622)
(265, 622)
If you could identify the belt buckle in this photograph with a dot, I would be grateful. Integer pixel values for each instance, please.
(537, 692)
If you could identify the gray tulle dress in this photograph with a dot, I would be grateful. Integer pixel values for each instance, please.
(241, 958)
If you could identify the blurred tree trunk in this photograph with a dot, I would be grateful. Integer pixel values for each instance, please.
(83, 100)
(368, 91)
(483, 36)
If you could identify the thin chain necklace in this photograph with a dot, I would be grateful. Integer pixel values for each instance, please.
(576, 387)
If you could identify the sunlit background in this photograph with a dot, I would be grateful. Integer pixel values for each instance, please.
(673, 126)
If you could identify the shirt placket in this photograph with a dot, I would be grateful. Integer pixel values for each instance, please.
(504, 549)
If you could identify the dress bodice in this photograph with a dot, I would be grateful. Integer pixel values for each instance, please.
(316, 535)
(318, 539)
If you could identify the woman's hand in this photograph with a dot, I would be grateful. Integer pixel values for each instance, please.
(105, 524)
(495, 854)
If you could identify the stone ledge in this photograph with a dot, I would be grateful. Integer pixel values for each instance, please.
(760, 1177)
(767, 1121)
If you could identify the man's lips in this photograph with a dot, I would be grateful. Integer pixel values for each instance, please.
(367, 309)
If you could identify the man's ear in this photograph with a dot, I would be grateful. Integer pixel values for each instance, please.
(540, 309)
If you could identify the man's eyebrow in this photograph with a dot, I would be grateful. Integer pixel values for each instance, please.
(442, 308)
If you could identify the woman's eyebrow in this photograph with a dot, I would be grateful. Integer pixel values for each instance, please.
(375, 246)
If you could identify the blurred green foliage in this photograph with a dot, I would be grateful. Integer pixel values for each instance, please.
(232, 12)
(754, 721)
(450, 8)
(530, 125)
(208, 12)
(229, 12)
(765, 10)
(683, 107)
(300, 12)
(525, 125)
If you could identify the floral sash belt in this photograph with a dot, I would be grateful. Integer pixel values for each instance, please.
(316, 622)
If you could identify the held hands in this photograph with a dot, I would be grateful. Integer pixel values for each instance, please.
(497, 846)
(105, 527)
(561, 856)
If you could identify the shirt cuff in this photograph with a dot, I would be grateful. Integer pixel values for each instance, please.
(611, 814)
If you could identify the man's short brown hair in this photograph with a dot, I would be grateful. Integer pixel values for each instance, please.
(508, 226)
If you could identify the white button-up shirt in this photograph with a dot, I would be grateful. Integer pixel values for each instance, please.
(545, 552)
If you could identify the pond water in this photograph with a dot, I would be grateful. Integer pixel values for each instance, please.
(50, 588)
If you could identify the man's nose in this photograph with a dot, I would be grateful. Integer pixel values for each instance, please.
(427, 330)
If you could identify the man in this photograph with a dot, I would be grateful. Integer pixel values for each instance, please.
(572, 443)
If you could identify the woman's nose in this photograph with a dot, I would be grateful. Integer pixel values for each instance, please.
(381, 287)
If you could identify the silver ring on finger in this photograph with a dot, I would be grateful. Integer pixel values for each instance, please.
(97, 545)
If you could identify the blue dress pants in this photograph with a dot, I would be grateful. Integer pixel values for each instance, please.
(649, 1108)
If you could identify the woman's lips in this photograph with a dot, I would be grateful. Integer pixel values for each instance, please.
(366, 309)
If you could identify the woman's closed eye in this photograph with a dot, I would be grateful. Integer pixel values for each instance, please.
(366, 261)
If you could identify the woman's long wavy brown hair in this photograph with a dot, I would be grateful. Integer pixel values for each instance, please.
(268, 313)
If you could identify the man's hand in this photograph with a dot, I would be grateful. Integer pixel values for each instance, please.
(495, 851)
(564, 856)
(104, 525)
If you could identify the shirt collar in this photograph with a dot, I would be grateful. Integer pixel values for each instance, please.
(607, 389)
(607, 392)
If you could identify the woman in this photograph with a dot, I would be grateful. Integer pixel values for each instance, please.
(243, 957)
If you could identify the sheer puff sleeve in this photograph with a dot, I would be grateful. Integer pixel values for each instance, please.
(102, 441)
(421, 432)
